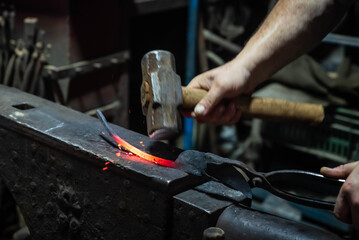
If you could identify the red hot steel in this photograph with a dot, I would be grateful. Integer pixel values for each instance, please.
(131, 148)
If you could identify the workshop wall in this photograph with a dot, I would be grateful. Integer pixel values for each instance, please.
(82, 31)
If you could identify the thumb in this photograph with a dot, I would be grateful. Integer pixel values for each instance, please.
(342, 171)
(209, 101)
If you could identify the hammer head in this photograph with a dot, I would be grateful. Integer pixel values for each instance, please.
(161, 95)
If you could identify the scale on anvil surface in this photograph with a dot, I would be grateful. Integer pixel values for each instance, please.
(70, 184)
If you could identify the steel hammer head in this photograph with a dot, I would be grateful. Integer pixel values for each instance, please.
(161, 95)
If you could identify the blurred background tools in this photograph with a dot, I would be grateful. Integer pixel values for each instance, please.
(22, 59)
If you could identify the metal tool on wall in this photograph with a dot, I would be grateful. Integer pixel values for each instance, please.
(9, 69)
(29, 69)
(21, 54)
(22, 60)
(37, 86)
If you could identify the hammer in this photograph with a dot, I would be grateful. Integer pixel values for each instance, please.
(162, 96)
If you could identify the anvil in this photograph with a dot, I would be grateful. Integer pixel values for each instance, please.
(70, 183)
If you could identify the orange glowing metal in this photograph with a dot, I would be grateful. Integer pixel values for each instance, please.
(131, 148)
(142, 154)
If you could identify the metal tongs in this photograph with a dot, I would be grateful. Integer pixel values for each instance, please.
(312, 187)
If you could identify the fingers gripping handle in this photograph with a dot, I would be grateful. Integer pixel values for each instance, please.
(192, 96)
(264, 108)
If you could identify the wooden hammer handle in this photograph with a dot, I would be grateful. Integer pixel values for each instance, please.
(265, 108)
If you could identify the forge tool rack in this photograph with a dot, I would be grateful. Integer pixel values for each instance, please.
(336, 140)
(69, 183)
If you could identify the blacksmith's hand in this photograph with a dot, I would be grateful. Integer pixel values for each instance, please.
(223, 84)
(347, 203)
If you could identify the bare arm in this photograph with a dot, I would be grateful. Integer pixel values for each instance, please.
(291, 29)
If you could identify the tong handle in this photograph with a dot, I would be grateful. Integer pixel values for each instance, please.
(280, 182)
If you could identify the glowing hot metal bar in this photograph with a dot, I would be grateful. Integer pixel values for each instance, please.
(133, 149)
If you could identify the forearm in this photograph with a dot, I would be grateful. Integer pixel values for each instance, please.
(291, 29)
